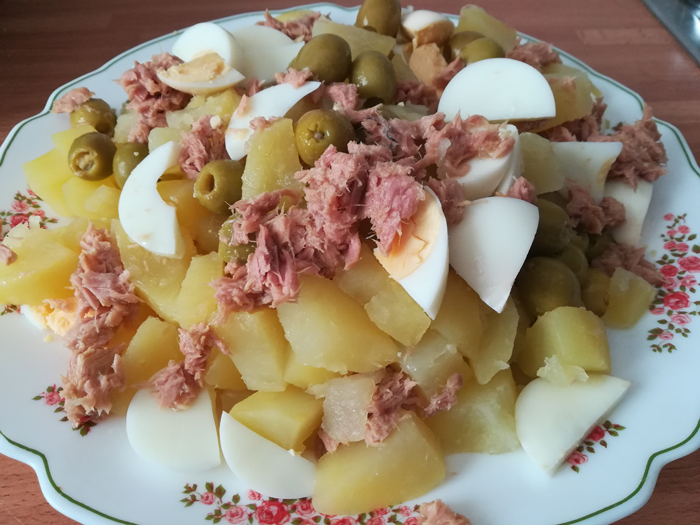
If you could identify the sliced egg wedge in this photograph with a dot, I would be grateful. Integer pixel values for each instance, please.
(34, 315)
(145, 217)
(271, 102)
(488, 247)
(636, 203)
(256, 37)
(264, 466)
(552, 420)
(264, 62)
(201, 76)
(498, 89)
(178, 440)
(586, 164)
(515, 166)
(419, 259)
(206, 38)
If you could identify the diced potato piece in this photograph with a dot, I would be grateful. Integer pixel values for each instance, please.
(286, 418)
(222, 373)
(474, 18)
(42, 271)
(345, 407)
(460, 319)
(159, 136)
(258, 348)
(360, 40)
(77, 191)
(125, 122)
(294, 15)
(46, 176)
(497, 341)
(482, 421)
(272, 161)
(540, 164)
(303, 376)
(103, 203)
(196, 303)
(561, 374)
(386, 302)
(572, 96)
(629, 297)
(524, 322)
(594, 291)
(329, 329)
(227, 399)
(126, 331)
(157, 279)
(403, 72)
(222, 105)
(427, 62)
(431, 363)
(63, 140)
(360, 478)
(555, 68)
(575, 335)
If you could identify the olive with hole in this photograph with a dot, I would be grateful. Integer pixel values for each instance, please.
(481, 49)
(97, 113)
(228, 252)
(545, 284)
(374, 76)
(90, 156)
(574, 258)
(126, 158)
(459, 40)
(327, 56)
(320, 128)
(219, 185)
(594, 291)
(553, 231)
(598, 244)
(380, 16)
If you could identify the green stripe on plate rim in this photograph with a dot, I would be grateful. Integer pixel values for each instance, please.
(16, 129)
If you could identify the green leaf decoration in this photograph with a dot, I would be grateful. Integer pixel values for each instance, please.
(252, 506)
(209, 486)
(37, 398)
(591, 450)
(613, 433)
(220, 492)
(604, 443)
(575, 469)
(618, 427)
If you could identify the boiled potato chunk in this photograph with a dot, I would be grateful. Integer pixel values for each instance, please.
(222, 105)
(196, 303)
(629, 297)
(360, 478)
(222, 372)
(483, 420)
(594, 291)
(575, 335)
(258, 348)
(103, 203)
(345, 406)
(125, 122)
(80, 193)
(157, 279)
(359, 40)
(540, 164)
(286, 418)
(386, 302)
(555, 68)
(227, 399)
(572, 96)
(303, 376)
(63, 140)
(46, 176)
(272, 161)
(329, 329)
(159, 136)
(474, 18)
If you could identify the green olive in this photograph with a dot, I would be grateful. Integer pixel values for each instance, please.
(580, 240)
(598, 244)
(97, 113)
(327, 56)
(459, 40)
(320, 128)
(228, 252)
(374, 77)
(574, 258)
(481, 49)
(594, 291)
(381, 16)
(127, 157)
(219, 185)
(545, 284)
(553, 230)
(555, 197)
(90, 156)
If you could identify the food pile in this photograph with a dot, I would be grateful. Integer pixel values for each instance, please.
(340, 252)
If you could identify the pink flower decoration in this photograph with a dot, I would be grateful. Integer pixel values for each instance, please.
(682, 247)
(376, 520)
(32, 193)
(597, 434)
(208, 498)
(677, 300)
(236, 514)
(666, 336)
(684, 229)
(671, 233)
(39, 213)
(18, 219)
(304, 508)
(670, 245)
(657, 311)
(691, 263)
(304, 521)
(668, 216)
(20, 206)
(689, 281)
(576, 458)
(670, 283)
(411, 521)
(669, 270)
(272, 513)
(381, 512)
(345, 520)
(52, 398)
(405, 511)
(681, 319)
(255, 496)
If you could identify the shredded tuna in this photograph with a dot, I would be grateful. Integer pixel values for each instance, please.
(293, 77)
(254, 86)
(443, 77)
(629, 258)
(259, 124)
(7, 256)
(614, 212)
(451, 196)
(174, 388)
(585, 213)
(243, 107)
(524, 190)
(330, 444)
(201, 145)
(535, 54)
(393, 394)
(150, 97)
(446, 398)
(437, 513)
(299, 29)
(343, 95)
(580, 129)
(72, 100)
(416, 92)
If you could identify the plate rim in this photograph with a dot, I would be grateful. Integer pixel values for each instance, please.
(36, 459)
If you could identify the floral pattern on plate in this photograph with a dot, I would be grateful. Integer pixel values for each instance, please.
(597, 436)
(52, 397)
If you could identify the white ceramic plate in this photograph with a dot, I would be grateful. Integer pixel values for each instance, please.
(97, 479)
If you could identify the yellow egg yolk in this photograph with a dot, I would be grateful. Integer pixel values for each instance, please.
(202, 69)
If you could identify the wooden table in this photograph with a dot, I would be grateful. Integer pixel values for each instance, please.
(45, 43)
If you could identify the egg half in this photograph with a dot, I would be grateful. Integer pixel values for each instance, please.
(208, 38)
(201, 76)
(636, 203)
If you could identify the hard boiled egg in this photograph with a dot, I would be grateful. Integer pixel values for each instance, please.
(586, 164)
(636, 203)
(427, 27)
(552, 420)
(488, 247)
(201, 76)
(271, 102)
(263, 465)
(208, 38)
(419, 259)
(499, 89)
(179, 440)
(515, 167)
(145, 217)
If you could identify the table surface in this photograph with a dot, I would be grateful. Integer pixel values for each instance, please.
(44, 44)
